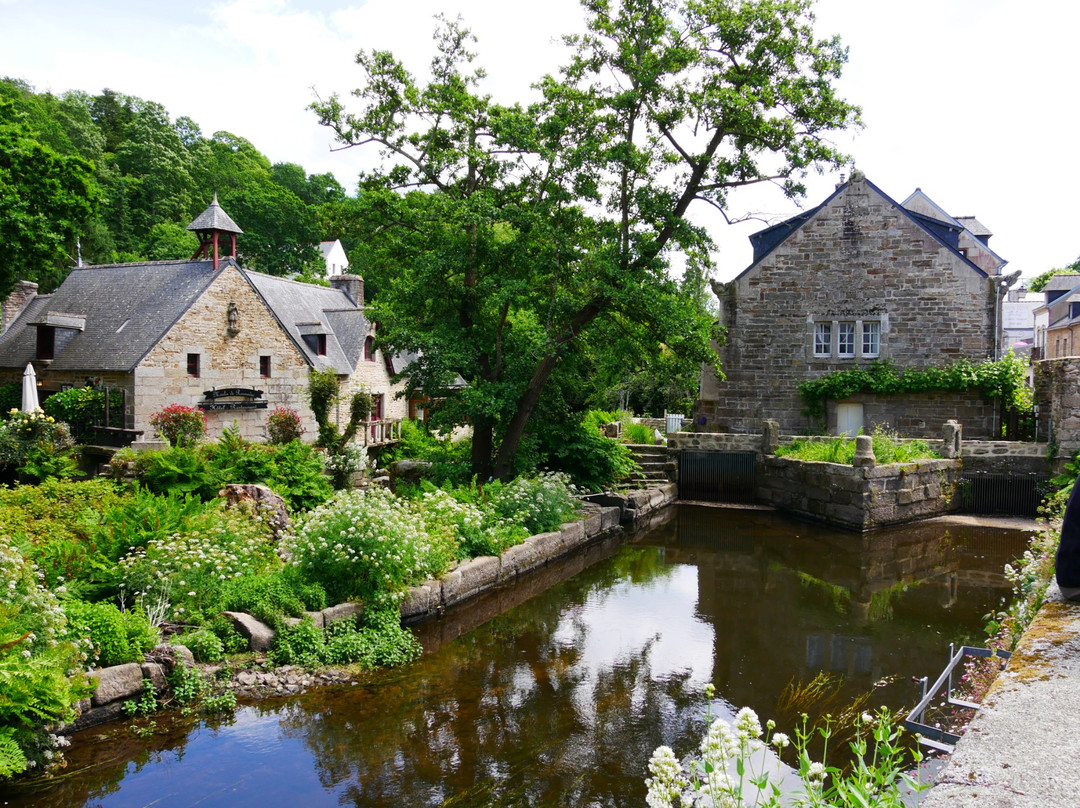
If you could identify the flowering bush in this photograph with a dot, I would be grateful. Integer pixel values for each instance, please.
(35, 436)
(478, 530)
(179, 425)
(732, 770)
(344, 461)
(189, 569)
(369, 546)
(283, 426)
(539, 503)
(38, 661)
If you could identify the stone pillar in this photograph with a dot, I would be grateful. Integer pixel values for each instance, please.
(950, 439)
(864, 452)
(770, 437)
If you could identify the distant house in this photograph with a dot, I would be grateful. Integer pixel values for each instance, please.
(337, 263)
(203, 332)
(858, 279)
(1053, 321)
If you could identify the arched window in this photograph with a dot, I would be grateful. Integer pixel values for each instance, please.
(369, 349)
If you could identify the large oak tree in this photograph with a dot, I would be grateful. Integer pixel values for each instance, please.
(539, 224)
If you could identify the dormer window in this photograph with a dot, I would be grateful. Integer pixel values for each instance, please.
(46, 342)
(54, 331)
(314, 337)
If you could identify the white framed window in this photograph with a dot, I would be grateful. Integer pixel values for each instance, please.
(822, 339)
(845, 340)
(871, 338)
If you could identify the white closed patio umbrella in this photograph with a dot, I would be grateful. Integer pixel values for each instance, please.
(29, 389)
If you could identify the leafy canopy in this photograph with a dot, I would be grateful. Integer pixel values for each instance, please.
(541, 225)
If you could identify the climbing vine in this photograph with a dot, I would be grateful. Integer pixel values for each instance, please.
(1002, 379)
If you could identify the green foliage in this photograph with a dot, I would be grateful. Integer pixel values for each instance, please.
(368, 546)
(1004, 379)
(272, 595)
(1038, 283)
(380, 641)
(56, 525)
(283, 426)
(537, 503)
(83, 407)
(38, 446)
(494, 284)
(633, 432)
(38, 663)
(179, 470)
(45, 200)
(888, 448)
(204, 645)
(179, 426)
(10, 396)
(188, 571)
(579, 449)
(116, 637)
(141, 516)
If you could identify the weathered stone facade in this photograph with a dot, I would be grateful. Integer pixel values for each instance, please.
(862, 266)
(1057, 393)
(225, 360)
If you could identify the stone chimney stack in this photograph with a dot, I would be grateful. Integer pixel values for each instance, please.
(352, 285)
(23, 293)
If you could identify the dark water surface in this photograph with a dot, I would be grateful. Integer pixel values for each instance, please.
(556, 692)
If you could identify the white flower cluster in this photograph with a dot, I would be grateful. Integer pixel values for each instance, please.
(537, 503)
(368, 544)
(27, 607)
(177, 569)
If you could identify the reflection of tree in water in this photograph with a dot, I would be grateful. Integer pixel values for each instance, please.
(509, 715)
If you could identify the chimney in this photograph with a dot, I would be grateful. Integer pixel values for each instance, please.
(23, 293)
(352, 285)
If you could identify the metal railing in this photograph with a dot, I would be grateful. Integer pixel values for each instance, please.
(935, 737)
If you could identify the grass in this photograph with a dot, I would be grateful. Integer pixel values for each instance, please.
(888, 448)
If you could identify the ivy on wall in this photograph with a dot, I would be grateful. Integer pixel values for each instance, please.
(1003, 379)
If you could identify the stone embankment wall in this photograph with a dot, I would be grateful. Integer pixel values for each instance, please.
(861, 498)
(1057, 393)
(1005, 456)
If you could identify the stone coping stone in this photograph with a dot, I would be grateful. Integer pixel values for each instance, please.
(470, 578)
(350, 610)
(258, 634)
(1021, 748)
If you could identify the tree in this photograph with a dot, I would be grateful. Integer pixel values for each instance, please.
(544, 221)
(45, 198)
(1038, 283)
(280, 232)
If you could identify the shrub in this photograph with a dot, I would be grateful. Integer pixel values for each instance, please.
(37, 445)
(180, 470)
(179, 425)
(538, 503)
(379, 641)
(38, 660)
(367, 545)
(116, 637)
(270, 596)
(204, 645)
(299, 478)
(83, 407)
(636, 433)
(283, 426)
(592, 461)
(301, 644)
(189, 569)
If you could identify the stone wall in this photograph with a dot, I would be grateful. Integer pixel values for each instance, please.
(920, 415)
(861, 498)
(859, 258)
(1057, 393)
(715, 441)
(1004, 457)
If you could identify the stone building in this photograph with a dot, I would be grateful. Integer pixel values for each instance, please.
(203, 332)
(858, 279)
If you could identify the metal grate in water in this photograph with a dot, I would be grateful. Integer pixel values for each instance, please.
(1004, 494)
(717, 476)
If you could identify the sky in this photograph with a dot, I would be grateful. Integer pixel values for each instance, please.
(971, 100)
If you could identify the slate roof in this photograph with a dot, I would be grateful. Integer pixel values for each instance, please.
(128, 309)
(1064, 282)
(294, 303)
(214, 218)
(976, 227)
(765, 241)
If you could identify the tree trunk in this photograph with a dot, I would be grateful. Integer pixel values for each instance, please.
(482, 448)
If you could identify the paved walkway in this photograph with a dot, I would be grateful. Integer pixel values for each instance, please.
(1022, 749)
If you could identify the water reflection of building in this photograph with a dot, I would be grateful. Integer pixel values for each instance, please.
(791, 599)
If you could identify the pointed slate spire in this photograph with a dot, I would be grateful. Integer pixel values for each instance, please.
(209, 225)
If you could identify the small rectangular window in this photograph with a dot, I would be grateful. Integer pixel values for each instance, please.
(321, 345)
(822, 339)
(369, 349)
(193, 365)
(845, 342)
(46, 342)
(264, 367)
(871, 338)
